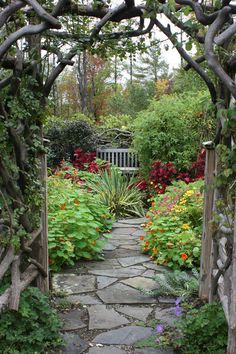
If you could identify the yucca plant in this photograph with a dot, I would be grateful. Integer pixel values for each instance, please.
(118, 193)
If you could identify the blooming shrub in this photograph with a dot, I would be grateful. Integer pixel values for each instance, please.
(161, 175)
(75, 221)
(173, 230)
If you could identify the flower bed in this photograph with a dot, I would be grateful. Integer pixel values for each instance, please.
(173, 228)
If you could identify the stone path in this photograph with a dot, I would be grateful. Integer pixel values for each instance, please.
(110, 314)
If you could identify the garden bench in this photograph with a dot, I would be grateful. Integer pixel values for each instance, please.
(125, 159)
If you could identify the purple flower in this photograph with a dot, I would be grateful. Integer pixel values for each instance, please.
(177, 301)
(160, 329)
(178, 310)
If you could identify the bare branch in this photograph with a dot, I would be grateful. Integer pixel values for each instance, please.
(10, 10)
(15, 287)
(43, 14)
(6, 262)
(210, 56)
(197, 8)
(189, 60)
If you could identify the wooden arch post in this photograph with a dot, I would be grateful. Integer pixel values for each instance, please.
(205, 268)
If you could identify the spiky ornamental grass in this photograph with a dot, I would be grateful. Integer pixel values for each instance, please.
(178, 284)
(118, 193)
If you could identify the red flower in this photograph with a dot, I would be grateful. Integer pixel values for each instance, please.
(141, 237)
(184, 256)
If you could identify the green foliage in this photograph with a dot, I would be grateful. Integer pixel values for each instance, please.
(171, 130)
(68, 136)
(33, 329)
(173, 233)
(123, 121)
(118, 193)
(204, 330)
(177, 283)
(75, 221)
(130, 101)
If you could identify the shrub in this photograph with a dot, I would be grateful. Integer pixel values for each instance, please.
(86, 161)
(173, 235)
(65, 138)
(121, 121)
(204, 330)
(33, 329)
(118, 193)
(170, 130)
(75, 221)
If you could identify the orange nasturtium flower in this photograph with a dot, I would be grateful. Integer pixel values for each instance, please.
(76, 201)
(141, 237)
(185, 226)
(63, 206)
(184, 256)
(154, 250)
(97, 229)
(153, 204)
(146, 243)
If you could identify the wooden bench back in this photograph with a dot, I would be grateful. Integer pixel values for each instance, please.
(125, 159)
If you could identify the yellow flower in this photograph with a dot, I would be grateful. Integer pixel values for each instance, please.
(185, 226)
(189, 193)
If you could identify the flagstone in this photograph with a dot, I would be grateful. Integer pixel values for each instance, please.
(102, 318)
(72, 320)
(118, 273)
(130, 246)
(106, 264)
(83, 299)
(106, 350)
(109, 247)
(154, 351)
(133, 221)
(123, 294)
(139, 313)
(73, 283)
(126, 335)
(166, 316)
(129, 261)
(103, 282)
(74, 344)
(123, 230)
(149, 274)
(141, 283)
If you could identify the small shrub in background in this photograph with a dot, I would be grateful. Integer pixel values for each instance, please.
(203, 330)
(118, 193)
(75, 221)
(65, 138)
(33, 329)
(173, 230)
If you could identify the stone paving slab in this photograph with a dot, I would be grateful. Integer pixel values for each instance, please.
(106, 350)
(130, 247)
(72, 320)
(126, 335)
(102, 318)
(123, 230)
(154, 351)
(109, 247)
(106, 264)
(83, 299)
(73, 283)
(118, 273)
(139, 313)
(138, 233)
(149, 274)
(141, 283)
(123, 294)
(120, 225)
(166, 316)
(130, 261)
(121, 253)
(133, 221)
(74, 344)
(103, 282)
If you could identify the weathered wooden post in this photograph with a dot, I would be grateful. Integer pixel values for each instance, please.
(205, 270)
(231, 349)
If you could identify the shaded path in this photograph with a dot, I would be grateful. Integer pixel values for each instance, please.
(110, 313)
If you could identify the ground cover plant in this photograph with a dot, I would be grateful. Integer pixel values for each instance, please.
(33, 329)
(75, 221)
(173, 228)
